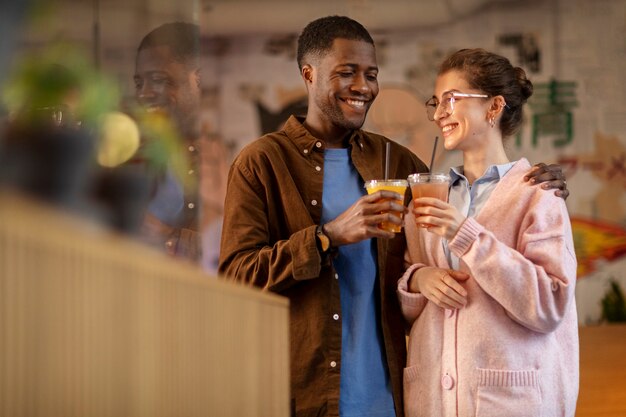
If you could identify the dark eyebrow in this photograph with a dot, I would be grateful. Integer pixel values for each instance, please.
(356, 66)
(151, 73)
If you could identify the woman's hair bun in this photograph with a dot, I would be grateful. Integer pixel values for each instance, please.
(526, 87)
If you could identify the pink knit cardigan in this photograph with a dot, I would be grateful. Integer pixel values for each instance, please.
(513, 349)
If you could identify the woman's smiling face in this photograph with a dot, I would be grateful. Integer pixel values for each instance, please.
(468, 123)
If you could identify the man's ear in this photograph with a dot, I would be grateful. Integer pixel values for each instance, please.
(307, 73)
(196, 75)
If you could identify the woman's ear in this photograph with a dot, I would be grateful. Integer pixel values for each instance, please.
(495, 109)
(497, 105)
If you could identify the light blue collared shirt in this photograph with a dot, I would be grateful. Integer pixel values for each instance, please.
(469, 200)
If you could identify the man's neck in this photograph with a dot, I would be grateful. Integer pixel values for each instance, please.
(333, 138)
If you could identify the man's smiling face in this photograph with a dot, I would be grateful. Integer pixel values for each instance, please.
(344, 86)
(165, 84)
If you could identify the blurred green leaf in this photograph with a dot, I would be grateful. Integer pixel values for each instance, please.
(162, 146)
(54, 76)
(613, 304)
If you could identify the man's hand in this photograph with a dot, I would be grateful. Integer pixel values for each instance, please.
(159, 234)
(361, 220)
(550, 177)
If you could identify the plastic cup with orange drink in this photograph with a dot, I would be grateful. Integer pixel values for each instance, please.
(397, 186)
(429, 185)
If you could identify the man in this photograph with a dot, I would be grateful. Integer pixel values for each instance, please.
(297, 222)
(167, 81)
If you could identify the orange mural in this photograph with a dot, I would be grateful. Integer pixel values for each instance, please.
(596, 241)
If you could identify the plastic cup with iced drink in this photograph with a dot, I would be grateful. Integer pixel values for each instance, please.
(429, 185)
(398, 186)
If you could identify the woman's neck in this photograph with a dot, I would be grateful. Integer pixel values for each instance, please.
(476, 162)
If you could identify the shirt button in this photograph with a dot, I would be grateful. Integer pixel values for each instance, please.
(333, 364)
(318, 144)
(191, 205)
(447, 382)
(306, 151)
(336, 316)
(336, 276)
(318, 168)
(314, 202)
(190, 172)
(191, 148)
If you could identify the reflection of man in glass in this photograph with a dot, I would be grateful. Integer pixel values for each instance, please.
(167, 80)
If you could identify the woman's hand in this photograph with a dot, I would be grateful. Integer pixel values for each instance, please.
(441, 286)
(438, 216)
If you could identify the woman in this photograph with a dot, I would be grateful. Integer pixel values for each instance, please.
(489, 289)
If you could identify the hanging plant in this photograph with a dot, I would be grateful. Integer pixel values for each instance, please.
(613, 304)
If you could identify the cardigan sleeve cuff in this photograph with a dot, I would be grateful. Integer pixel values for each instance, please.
(406, 297)
(464, 237)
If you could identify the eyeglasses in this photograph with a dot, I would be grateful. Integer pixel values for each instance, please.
(447, 103)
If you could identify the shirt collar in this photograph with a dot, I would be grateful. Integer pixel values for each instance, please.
(492, 173)
(307, 142)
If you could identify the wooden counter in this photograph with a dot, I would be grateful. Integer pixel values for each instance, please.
(602, 371)
(93, 324)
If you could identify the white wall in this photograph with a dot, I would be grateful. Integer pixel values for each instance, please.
(580, 41)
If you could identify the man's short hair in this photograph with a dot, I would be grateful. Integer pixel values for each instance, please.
(182, 38)
(318, 36)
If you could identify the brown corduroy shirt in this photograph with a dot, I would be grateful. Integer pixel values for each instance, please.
(273, 204)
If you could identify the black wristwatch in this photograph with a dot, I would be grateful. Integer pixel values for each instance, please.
(323, 241)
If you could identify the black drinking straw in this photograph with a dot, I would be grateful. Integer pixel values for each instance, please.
(387, 152)
(432, 157)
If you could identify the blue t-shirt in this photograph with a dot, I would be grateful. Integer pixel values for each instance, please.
(365, 385)
(167, 204)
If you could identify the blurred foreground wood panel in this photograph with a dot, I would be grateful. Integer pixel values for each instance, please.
(602, 371)
(93, 324)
